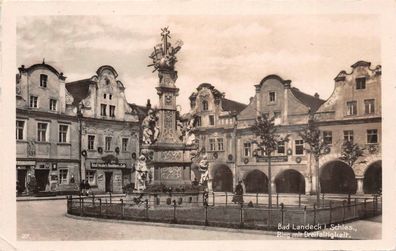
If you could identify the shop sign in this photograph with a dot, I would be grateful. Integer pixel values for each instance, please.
(273, 158)
(108, 165)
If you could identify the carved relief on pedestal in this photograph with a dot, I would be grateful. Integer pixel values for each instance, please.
(171, 172)
(168, 119)
(172, 155)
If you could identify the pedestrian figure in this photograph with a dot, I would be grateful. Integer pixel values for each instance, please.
(82, 187)
(72, 179)
(238, 197)
(87, 187)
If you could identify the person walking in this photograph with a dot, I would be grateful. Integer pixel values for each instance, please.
(82, 187)
(238, 197)
(87, 187)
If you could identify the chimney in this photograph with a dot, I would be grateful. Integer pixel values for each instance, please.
(316, 95)
(250, 100)
(148, 105)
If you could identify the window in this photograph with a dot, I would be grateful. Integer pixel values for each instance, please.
(112, 111)
(42, 132)
(90, 175)
(124, 144)
(205, 105)
(110, 96)
(33, 101)
(299, 145)
(369, 106)
(43, 80)
(348, 135)
(198, 121)
(281, 147)
(328, 137)
(212, 144)
(63, 133)
(52, 105)
(360, 83)
(211, 120)
(220, 144)
(91, 142)
(103, 109)
(372, 136)
(272, 97)
(247, 149)
(104, 96)
(107, 143)
(351, 108)
(62, 176)
(20, 126)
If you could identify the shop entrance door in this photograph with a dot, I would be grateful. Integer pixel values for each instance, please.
(42, 179)
(109, 182)
(21, 181)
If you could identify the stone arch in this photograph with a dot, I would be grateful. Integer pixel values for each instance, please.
(290, 181)
(337, 177)
(222, 178)
(256, 182)
(372, 179)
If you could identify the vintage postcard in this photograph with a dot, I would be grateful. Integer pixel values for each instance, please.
(167, 125)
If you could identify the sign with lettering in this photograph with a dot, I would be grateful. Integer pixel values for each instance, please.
(273, 158)
(108, 165)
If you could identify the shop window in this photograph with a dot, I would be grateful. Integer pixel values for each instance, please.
(327, 137)
(351, 108)
(63, 176)
(107, 143)
(247, 149)
(369, 106)
(20, 129)
(52, 105)
(63, 133)
(372, 136)
(299, 145)
(103, 109)
(348, 136)
(272, 97)
(90, 175)
(112, 111)
(91, 142)
(43, 80)
(281, 147)
(360, 83)
(42, 129)
(212, 144)
(211, 120)
(33, 102)
(124, 144)
(220, 144)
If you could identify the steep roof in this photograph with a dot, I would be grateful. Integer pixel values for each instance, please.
(140, 109)
(79, 89)
(232, 106)
(310, 101)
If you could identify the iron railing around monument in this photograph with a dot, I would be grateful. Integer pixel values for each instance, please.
(223, 214)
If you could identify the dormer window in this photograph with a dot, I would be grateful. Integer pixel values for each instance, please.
(272, 97)
(43, 80)
(360, 83)
(205, 105)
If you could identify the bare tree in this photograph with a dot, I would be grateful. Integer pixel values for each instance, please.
(267, 141)
(312, 137)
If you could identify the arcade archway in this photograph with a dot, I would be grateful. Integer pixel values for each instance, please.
(372, 182)
(256, 182)
(337, 177)
(222, 179)
(290, 181)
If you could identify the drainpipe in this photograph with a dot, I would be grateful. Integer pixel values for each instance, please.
(235, 151)
(79, 119)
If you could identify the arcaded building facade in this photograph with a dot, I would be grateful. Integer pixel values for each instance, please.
(352, 113)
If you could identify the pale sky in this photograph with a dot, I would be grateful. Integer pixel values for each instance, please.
(233, 53)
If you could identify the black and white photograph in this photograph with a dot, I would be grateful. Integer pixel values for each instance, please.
(208, 125)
